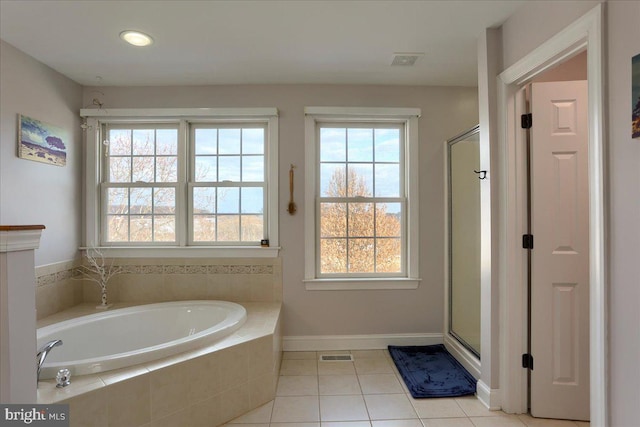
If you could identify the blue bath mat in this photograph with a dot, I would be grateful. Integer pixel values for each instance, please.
(430, 371)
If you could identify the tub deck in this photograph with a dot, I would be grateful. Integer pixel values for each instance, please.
(206, 386)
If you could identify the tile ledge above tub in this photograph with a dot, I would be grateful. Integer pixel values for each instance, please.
(358, 284)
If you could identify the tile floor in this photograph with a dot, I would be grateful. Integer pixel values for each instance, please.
(367, 393)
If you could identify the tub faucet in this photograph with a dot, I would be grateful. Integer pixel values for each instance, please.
(44, 352)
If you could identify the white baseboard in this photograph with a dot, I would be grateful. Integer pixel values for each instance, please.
(467, 359)
(489, 397)
(356, 342)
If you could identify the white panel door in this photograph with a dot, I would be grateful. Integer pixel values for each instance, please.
(560, 256)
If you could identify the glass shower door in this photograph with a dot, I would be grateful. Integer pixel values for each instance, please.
(464, 239)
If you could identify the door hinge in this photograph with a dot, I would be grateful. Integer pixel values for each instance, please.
(527, 241)
(527, 361)
(526, 120)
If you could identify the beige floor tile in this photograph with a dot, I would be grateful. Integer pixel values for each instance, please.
(343, 408)
(401, 381)
(374, 380)
(397, 423)
(299, 355)
(373, 366)
(438, 408)
(544, 422)
(447, 422)
(474, 408)
(295, 409)
(500, 421)
(346, 424)
(299, 367)
(336, 368)
(297, 385)
(294, 425)
(258, 415)
(369, 354)
(338, 384)
(380, 384)
(389, 407)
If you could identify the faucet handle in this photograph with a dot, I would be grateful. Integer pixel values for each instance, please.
(63, 378)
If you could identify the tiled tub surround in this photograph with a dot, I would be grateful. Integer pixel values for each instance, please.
(162, 279)
(204, 387)
(57, 288)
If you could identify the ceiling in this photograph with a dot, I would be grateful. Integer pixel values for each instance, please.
(254, 42)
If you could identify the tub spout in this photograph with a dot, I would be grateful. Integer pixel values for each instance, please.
(44, 352)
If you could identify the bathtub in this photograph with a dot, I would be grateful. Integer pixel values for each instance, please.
(129, 336)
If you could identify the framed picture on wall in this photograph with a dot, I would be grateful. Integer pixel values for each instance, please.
(635, 96)
(41, 142)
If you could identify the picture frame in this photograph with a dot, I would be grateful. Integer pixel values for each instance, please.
(41, 142)
(635, 96)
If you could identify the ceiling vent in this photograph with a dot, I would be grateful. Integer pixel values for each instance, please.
(405, 59)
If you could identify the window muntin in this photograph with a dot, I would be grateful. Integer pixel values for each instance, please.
(361, 207)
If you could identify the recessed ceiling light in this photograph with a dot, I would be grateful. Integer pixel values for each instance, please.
(136, 38)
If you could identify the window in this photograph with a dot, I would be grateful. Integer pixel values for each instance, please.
(182, 179)
(227, 184)
(361, 206)
(140, 182)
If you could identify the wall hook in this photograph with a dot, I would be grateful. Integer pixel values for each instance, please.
(481, 174)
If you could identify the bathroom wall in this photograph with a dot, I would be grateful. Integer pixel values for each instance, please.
(624, 215)
(537, 21)
(445, 112)
(32, 192)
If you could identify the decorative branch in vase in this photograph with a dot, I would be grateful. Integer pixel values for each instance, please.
(96, 269)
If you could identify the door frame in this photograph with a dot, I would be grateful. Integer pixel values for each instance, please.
(586, 33)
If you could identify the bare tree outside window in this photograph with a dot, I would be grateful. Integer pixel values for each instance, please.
(358, 236)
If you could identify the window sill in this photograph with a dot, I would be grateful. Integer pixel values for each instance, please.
(361, 284)
(188, 252)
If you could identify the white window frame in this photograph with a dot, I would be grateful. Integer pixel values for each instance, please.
(409, 279)
(95, 118)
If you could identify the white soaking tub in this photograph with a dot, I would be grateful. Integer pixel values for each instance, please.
(129, 336)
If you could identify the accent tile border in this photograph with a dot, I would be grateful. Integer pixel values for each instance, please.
(51, 273)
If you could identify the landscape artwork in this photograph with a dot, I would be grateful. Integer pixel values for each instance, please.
(41, 142)
(635, 96)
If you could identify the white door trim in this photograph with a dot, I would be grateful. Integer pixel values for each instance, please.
(586, 32)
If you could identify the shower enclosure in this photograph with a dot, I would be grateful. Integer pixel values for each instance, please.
(463, 183)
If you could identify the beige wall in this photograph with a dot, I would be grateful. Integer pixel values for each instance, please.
(32, 192)
(445, 113)
(624, 216)
(535, 22)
